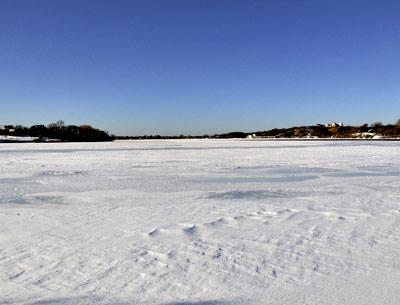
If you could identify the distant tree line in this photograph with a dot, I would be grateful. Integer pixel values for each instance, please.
(332, 130)
(236, 134)
(58, 131)
(85, 133)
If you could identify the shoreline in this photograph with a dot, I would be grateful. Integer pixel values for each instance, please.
(222, 139)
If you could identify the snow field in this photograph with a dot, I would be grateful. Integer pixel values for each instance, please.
(201, 222)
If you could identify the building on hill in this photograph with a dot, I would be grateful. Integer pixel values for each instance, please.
(334, 124)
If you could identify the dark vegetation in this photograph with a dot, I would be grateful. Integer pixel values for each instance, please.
(327, 131)
(57, 132)
(85, 133)
(322, 131)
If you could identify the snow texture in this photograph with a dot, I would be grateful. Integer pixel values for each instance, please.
(200, 222)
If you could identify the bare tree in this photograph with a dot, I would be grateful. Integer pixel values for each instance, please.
(377, 124)
(60, 124)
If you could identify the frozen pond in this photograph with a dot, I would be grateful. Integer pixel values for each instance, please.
(200, 222)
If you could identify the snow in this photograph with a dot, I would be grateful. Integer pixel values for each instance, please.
(200, 222)
(17, 138)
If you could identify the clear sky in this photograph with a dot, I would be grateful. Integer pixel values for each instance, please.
(197, 66)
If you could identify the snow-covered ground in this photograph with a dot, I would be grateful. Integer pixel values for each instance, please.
(17, 139)
(200, 222)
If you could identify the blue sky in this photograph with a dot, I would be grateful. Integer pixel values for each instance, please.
(197, 67)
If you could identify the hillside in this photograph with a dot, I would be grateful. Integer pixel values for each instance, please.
(333, 130)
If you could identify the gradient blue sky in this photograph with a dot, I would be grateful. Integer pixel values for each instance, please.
(196, 67)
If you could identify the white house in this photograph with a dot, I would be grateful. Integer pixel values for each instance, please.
(334, 124)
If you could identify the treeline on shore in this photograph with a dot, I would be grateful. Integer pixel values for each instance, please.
(55, 132)
(85, 133)
(320, 131)
(332, 130)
